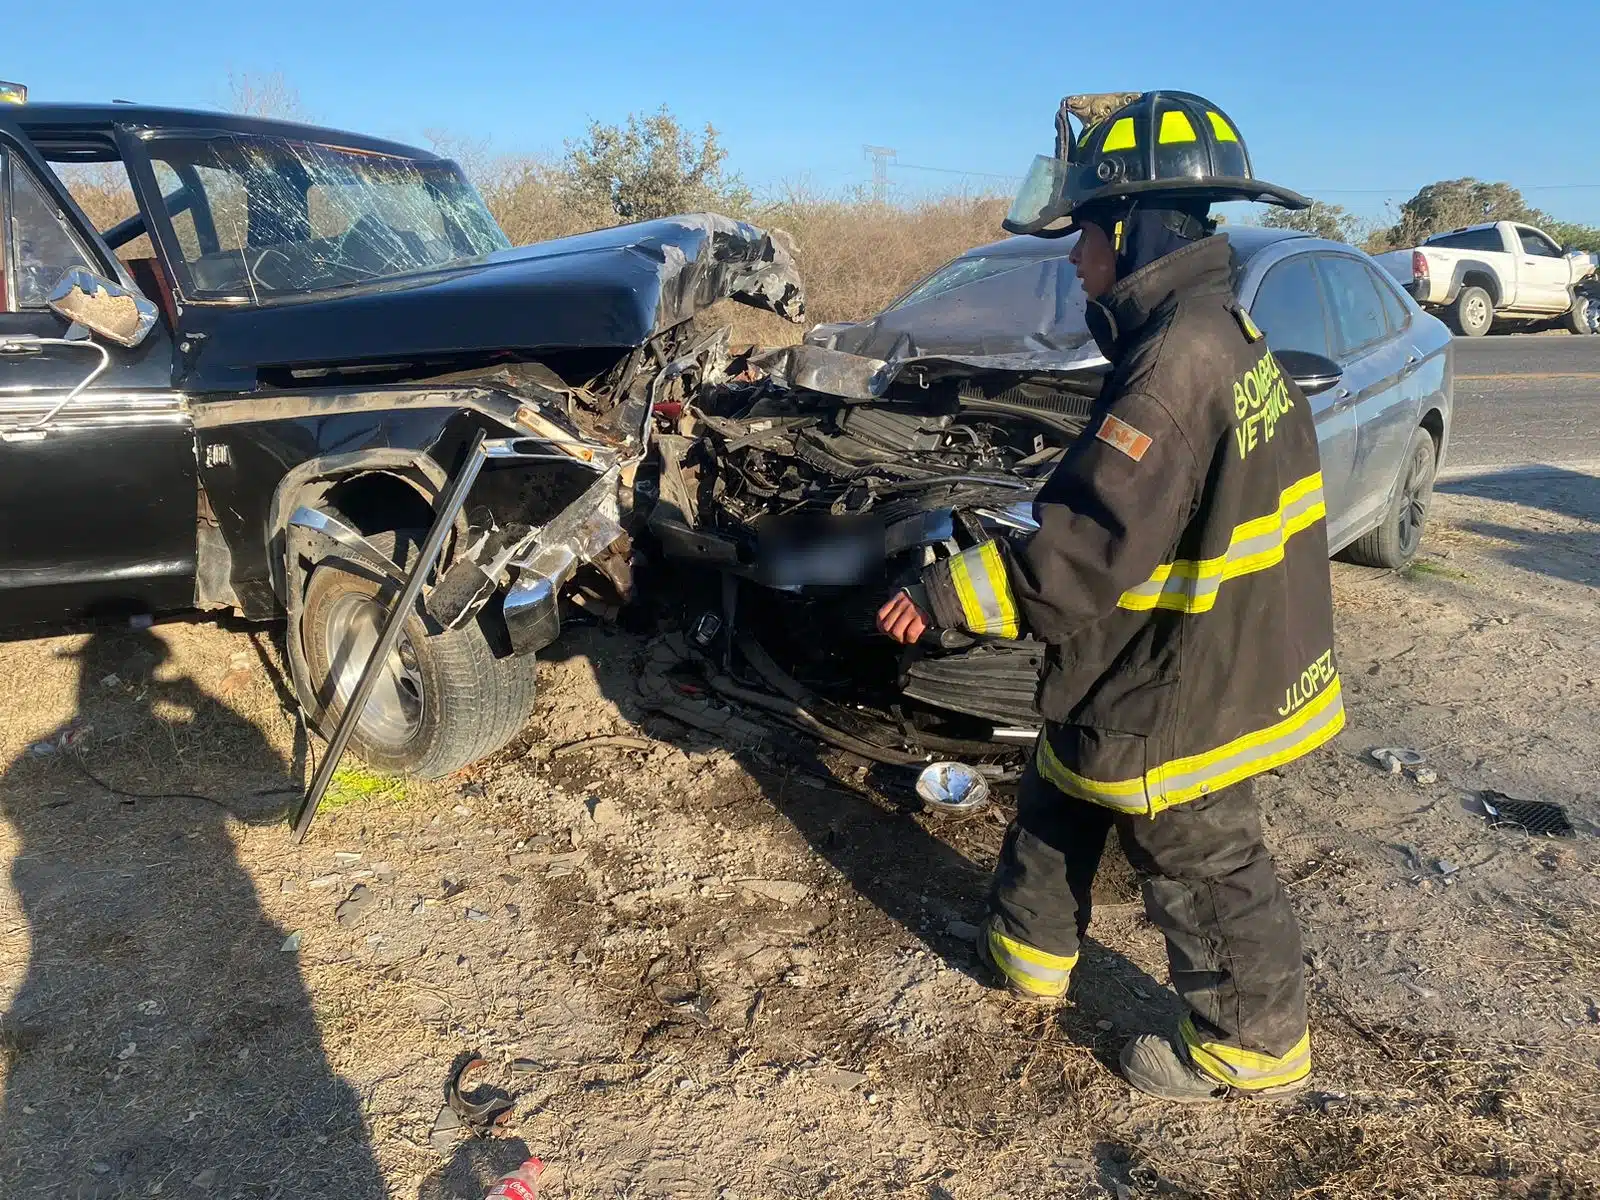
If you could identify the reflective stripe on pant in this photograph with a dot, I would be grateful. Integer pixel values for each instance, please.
(1035, 971)
(1232, 942)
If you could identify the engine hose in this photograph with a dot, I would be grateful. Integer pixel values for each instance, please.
(795, 713)
(879, 733)
(853, 724)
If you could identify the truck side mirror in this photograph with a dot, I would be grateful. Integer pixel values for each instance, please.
(100, 306)
(1312, 373)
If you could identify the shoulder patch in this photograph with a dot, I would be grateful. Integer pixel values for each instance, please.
(1245, 323)
(1119, 435)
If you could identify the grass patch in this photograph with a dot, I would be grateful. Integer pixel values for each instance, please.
(358, 784)
(1422, 569)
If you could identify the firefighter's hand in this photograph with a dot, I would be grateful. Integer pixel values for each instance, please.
(902, 620)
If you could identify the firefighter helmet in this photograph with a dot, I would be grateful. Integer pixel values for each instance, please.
(1132, 145)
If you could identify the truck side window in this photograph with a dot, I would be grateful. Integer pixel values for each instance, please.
(1289, 309)
(1535, 243)
(43, 245)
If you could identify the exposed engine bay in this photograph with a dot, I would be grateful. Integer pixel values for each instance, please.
(791, 513)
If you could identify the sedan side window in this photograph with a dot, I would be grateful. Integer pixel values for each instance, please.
(43, 245)
(1288, 307)
(1353, 296)
(1394, 308)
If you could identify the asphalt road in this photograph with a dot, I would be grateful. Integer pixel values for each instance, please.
(1521, 400)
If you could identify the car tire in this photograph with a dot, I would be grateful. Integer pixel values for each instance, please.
(1395, 541)
(1472, 315)
(1584, 315)
(448, 698)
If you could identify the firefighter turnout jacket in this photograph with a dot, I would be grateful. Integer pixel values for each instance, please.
(1179, 574)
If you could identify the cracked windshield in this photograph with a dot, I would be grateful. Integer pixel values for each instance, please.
(258, 218)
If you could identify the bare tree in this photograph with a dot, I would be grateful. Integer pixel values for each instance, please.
(268, 95)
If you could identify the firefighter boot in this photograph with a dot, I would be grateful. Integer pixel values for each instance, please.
(1158, 1068)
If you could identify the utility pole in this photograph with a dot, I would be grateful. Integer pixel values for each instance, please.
(881, 157)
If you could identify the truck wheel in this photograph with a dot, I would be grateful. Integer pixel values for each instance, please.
(445, 698)
(1394, 543)
(1584, 315)
(1472, 313)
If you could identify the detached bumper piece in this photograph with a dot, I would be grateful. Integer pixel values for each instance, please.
(582, 532)
(996, 681)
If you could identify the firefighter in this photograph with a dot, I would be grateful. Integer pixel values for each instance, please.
(1179, 578)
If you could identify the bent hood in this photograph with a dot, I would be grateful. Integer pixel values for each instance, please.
(610, 289)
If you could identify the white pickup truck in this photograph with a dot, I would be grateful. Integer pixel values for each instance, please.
(1471, 277)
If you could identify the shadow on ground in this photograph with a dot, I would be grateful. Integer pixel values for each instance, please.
(1562, 553)
(161, 1041)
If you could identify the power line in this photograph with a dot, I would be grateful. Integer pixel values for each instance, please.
(954, 171)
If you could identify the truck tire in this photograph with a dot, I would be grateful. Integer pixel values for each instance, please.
(1584, 315)
(1394, 542)
(1473, 312)
(446, 698)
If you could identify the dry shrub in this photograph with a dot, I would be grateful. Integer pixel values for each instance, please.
(857, 257)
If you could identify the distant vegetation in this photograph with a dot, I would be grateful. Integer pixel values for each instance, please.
(856, 255)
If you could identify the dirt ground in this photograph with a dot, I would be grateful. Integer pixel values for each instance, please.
(720, 976)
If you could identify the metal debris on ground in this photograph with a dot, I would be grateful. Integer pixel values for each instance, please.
(291, 943)
(952, 787)
(478, 1115)
(354, 905)
(1534, 816)
(1395, 759)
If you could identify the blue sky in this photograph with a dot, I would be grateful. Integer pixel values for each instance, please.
(1357, 103)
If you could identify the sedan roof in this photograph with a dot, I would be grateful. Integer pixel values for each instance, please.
(1247, 241)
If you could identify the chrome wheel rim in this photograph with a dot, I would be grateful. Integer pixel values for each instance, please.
(1477, 309)
(1414, 500)
(393, 713)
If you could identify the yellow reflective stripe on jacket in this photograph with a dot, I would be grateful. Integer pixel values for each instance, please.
(979, 577)
(1191, 586)
(1034, 971)
(1197, 775)
(1246, 1069)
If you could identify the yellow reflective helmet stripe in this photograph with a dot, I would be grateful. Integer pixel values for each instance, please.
(1182, 779)
(1034, 971)
(979, 578)
(1246, 1070)
(1175, 127)
(1220, 127)
(1121, 136)
(1191, 585)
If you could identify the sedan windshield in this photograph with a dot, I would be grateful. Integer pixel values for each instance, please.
(259, 218)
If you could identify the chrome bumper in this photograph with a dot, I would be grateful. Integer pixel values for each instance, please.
(579, 534)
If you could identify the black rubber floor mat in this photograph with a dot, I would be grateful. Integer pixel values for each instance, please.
(1535, 816)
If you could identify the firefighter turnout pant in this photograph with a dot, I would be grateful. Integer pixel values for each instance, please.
(1209, 885)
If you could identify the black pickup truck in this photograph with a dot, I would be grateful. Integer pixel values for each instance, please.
(252, 394)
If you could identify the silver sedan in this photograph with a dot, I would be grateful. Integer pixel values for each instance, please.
(1383, 427)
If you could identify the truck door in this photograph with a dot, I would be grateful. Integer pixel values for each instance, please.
(1290, 309)
(98, 503)
(1543, 273)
